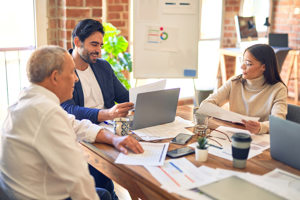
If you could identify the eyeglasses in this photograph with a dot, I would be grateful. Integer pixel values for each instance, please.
(215, 138)
(245, 62)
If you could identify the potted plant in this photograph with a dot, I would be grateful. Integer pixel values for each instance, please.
(201, 151)
(114, 52)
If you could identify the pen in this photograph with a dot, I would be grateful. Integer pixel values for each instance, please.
(107, 123)
(162, 152)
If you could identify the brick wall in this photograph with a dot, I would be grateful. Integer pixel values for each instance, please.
(231, 9)
(118, 15)
(286, 20)
(65, 14)
(229, 34)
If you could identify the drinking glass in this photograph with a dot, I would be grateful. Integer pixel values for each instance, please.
(201, 124)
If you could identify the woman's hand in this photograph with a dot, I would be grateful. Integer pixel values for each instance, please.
(252, 126)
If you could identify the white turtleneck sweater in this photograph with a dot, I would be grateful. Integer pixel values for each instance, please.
(254, 99)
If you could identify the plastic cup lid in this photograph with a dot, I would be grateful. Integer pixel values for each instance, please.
(241, 137)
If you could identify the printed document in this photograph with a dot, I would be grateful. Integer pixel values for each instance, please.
(178, 174)
(220, 113)
(154, 155)
(133, 92)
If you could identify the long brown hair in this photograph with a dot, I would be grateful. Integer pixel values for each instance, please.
(265, 55)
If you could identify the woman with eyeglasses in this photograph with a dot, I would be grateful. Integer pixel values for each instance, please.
(257, 92)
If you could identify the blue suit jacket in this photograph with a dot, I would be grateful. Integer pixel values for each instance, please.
(112, 91)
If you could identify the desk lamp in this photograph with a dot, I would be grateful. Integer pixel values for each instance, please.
(267, 24)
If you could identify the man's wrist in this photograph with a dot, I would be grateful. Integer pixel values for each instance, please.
(103, 115)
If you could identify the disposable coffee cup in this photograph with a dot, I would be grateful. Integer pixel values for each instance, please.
(121, 126)
(240, 149)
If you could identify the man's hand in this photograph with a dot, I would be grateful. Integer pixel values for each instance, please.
(118, 110)
(121, 143)
(252, 126)
(127, 142)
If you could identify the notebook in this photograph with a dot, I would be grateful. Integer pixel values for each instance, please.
(284, 141)
(155, 108)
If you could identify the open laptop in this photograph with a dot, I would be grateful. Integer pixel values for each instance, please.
(285, 138)
(155, 108)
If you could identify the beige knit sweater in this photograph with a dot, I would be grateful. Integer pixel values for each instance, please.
(254, 99)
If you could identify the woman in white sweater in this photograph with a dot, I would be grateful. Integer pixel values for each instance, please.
(257, 92)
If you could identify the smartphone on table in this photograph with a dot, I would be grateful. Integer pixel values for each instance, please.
(176, 153)
(181, 138)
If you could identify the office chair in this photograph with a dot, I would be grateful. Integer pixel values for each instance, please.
(293, 113)
(281, 55)
(201, 95)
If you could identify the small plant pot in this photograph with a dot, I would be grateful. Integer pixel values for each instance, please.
(201, 154)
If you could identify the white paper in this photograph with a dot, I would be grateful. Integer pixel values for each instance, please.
(288, 183)
(178, 174)
(154, 155)
(220, 113)
(164, 131)
(133, 92)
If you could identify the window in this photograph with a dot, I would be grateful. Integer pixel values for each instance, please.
(18, 40)
(258, 8)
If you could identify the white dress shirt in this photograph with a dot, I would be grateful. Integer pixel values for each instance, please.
(41, 158)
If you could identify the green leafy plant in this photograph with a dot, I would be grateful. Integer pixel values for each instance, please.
(114, 52)
(202, 143)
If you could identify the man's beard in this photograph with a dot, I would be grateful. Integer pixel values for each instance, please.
(86, 57)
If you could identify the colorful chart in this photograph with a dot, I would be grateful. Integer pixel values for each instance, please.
(164, 36)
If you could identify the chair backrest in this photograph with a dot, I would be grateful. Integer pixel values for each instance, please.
(293, 113)
(281, 55)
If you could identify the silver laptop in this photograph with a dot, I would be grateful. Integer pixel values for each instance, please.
(285, 138)
(155, 108)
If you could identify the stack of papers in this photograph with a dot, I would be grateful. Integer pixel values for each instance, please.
(258, 145)
(180, 176)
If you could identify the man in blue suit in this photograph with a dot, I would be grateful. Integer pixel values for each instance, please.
(98, 88)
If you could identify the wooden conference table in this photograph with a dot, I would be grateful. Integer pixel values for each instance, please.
(141, 184)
